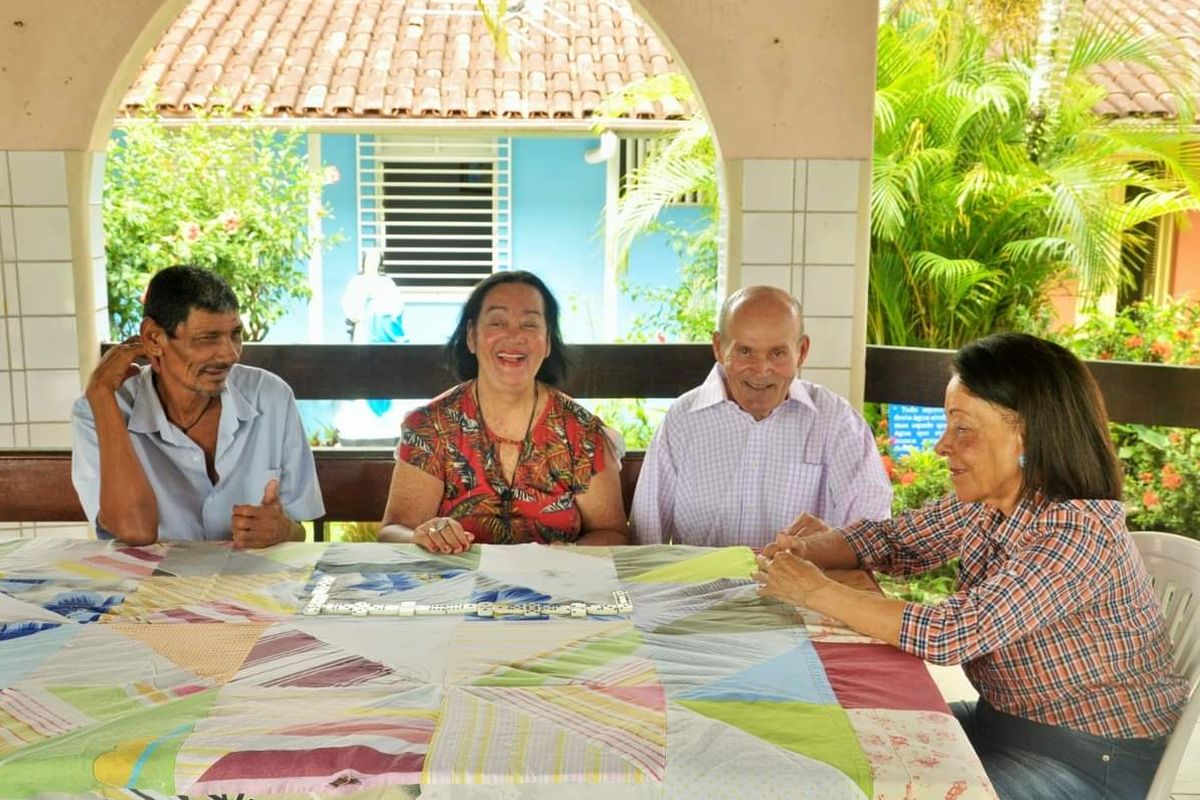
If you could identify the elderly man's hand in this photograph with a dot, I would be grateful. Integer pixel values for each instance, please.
(116, 367)
(807, 525)
(262, 525)
(789, 578)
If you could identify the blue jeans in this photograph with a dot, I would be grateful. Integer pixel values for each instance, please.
(1028, 760)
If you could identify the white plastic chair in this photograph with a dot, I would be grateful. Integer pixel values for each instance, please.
(1174, 564)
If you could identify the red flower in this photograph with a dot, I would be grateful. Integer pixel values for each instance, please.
(1106, 356)
(190, 231)
(1150, 499)
(1145, 477)
(908, 478)
(1175, 437)
(889, 467)
(1161, 349)
(1183, 334)
(883, 424)
(1172, 481)
(230, 220)
(1134, 342)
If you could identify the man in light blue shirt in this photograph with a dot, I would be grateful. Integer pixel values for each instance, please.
(195, 445)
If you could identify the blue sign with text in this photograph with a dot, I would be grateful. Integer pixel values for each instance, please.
(914, 427)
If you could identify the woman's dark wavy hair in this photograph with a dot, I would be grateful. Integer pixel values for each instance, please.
(462, 362)
(1068, 452)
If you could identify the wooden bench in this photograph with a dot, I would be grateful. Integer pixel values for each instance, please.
(35, 485)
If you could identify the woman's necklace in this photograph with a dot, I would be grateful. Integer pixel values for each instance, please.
(497, 438)
(200, 416)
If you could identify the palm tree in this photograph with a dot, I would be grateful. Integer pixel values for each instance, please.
(680, 163)
(975, 213)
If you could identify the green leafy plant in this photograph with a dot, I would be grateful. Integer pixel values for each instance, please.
(686, 312)
(1162, 478)
(1166, 333)
(987, 189)
(1162, 464)
(917, 477)
(217, 193)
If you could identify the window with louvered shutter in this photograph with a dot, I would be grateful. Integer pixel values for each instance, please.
(438, 209)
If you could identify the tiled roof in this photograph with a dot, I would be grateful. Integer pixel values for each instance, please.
(1133, 91)
(399, 59)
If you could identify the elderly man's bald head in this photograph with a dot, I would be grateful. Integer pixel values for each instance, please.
(760, 342)
(752, 299)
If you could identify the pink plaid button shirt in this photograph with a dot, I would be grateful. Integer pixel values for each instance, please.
(715, 476)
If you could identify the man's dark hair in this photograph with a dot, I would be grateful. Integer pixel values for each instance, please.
(175, 291)
(1068, 452)
(462, 361)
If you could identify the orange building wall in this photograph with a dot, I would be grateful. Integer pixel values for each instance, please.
(1186, 277)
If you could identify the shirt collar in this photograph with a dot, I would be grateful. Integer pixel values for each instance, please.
(148, 416)
(713, 391)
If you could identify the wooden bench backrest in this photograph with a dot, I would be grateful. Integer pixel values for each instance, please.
(354, 484)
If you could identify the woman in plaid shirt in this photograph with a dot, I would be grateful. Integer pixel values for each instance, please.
(1054, 620)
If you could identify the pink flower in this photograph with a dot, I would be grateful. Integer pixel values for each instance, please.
(660, 337)
(331, 175)
(190, 231)
(230, 220)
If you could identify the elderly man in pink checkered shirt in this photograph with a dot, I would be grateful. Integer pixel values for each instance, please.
(740, 457)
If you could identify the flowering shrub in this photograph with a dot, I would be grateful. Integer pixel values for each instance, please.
(1142, 332)
(1162, 465)
(917, 478)
(234, 198)
(1162, 477)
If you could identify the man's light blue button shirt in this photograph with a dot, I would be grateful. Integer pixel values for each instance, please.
(259, 437)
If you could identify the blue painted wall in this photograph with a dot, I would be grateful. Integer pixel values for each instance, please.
(558, 203)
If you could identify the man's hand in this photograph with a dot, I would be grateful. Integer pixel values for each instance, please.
(789, 578)
(806, 525)
(442, 535)
(115, 368)
(262, 525)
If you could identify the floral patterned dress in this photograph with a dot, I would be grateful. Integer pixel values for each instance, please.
(564, 449)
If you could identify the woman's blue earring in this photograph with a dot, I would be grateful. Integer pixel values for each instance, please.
(1021, 461)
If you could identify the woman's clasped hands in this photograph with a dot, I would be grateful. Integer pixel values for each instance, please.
(785, 574)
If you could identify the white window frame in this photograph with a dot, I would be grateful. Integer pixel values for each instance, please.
(419, 244)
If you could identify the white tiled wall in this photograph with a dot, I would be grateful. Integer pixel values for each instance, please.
(39, 350)
(801, 232)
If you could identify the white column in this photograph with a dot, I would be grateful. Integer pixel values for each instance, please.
(41, 226)
(804, 229)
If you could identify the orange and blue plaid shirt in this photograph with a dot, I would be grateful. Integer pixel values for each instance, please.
(1054, 619)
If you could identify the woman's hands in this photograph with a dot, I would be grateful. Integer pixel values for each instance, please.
(442, 535)
(789, 577)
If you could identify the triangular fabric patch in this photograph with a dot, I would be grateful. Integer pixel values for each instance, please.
(820, 732)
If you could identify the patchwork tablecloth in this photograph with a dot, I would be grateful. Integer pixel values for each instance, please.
(188, 669)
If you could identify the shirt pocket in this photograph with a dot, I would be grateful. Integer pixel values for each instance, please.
(791, 491)
(256, 488)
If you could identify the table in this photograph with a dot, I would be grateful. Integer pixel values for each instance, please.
(186, 669)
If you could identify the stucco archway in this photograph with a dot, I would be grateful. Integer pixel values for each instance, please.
(787, 86)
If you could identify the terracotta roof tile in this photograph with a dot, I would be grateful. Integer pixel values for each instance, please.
(1132, 91)
(402, 58)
